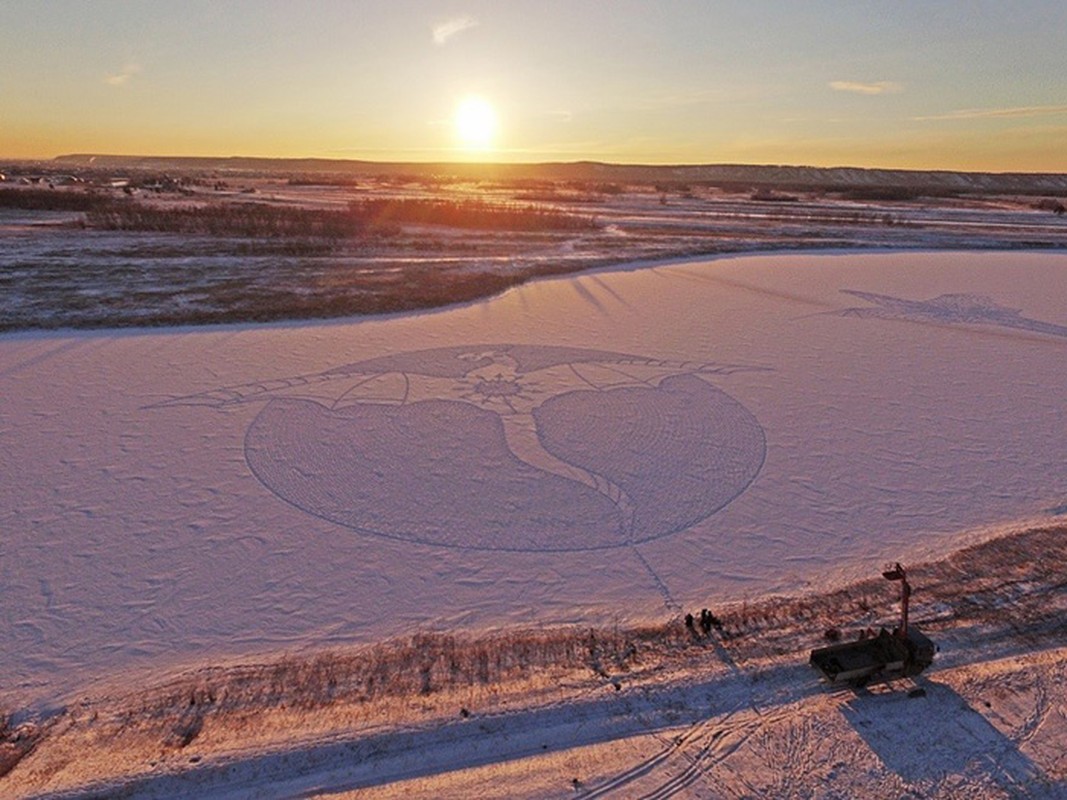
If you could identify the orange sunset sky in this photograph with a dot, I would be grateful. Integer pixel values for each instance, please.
(926, 85)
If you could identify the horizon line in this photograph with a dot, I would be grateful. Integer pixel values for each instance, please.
(527, 164)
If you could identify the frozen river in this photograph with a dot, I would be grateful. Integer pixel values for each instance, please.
(615, 445)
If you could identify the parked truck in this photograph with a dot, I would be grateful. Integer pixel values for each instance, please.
(904, 651)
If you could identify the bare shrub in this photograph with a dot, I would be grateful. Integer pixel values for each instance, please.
(16, 742)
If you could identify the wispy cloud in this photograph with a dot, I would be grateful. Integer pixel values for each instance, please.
(681, 98)
(994, 113)
(124, 76)
(446, 30)
(859, 87)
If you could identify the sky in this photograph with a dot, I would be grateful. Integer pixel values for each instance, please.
(973, 85)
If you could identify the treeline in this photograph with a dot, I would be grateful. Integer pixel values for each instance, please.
(323, 180)
(52, 200)
(363, 217)
(251, 220)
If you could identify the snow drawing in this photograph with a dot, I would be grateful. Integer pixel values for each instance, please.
(949, 309)
(503, 447)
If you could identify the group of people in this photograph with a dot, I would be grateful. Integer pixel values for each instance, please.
(707, 622)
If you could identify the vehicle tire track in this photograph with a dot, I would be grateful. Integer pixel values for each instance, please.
(673, 748)
(701, 746)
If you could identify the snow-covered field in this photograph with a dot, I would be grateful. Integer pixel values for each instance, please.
(612, 447)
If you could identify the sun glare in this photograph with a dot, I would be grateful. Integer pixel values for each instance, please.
(476, 123)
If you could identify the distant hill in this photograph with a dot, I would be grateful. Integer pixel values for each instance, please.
(788, 177)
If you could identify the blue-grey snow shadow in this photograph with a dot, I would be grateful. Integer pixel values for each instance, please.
(948, 309)
(926, 739)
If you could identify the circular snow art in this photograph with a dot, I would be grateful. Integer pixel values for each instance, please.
(508, 447)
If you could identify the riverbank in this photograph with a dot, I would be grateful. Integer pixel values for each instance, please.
(638, 708)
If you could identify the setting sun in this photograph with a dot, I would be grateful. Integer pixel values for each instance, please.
(475, 123)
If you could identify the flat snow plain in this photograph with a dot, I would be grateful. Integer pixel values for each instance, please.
(617, 445)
